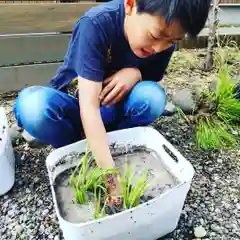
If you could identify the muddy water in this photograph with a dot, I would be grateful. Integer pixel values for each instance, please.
(161, 180)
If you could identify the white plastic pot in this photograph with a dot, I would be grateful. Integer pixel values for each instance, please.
(7, 159)
(148, 221)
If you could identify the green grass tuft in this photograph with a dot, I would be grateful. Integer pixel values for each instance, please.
(182, 114)
(213, 134)
(99, 213)
(228, 106)
(213, 127)
(85, 179)
(133, 191)
(90, 181)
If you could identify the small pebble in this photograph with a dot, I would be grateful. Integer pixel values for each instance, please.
(200, 232)
(50, 236)
(18, 229)
(45, 212)
(219, 160)
(215, 228)
(201, 221)
(5, 205)
(15, 134)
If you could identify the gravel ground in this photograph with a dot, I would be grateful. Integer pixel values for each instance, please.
(211, 210)
(213, 201)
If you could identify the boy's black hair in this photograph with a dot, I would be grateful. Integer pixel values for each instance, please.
(191, 14)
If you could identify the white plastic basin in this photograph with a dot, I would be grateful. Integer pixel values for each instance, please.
(7, 159)
(148, 221)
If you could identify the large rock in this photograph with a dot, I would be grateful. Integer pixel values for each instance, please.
(185, 100)
(169, 110)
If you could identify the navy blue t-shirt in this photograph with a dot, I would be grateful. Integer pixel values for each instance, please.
(98, 48)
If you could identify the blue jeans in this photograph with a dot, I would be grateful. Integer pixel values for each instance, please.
(53, 117)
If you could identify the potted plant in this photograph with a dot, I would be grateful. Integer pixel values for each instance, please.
(154, 187)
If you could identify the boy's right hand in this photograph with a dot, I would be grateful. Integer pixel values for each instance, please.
(113, 185)
(94, 128)
(114, 191)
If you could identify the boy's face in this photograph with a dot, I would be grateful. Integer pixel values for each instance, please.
(148, 34)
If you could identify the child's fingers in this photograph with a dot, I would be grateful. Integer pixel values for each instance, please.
(118, 97)
(110, 97)
(107, 80)
(106, 90)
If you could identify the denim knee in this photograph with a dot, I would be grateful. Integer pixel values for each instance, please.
(29, 108)
(145, 103)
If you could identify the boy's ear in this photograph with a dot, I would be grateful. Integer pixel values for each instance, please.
(129, 5)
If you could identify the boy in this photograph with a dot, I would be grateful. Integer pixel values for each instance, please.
(118, 52)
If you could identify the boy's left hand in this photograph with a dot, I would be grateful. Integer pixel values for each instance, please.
(118, 85)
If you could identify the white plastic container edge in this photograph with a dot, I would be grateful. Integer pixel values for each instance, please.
(7, 158)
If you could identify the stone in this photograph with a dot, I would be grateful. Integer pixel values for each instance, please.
(42, 228)
(15, 134)
(201, 221)
(215, 228)
(18, 229)
(16, 127)
(33, 142)
(238, 206)
(236, 78)
(23, 210)
(169, 110)
(36, 179)
(213, 84)
(11, 213)
(45, 212)
(5, 205)
(50, 236)
(28, 191)
(25, 218)
(198, 92)
(219, 160)
(199, 232)
(184, 99)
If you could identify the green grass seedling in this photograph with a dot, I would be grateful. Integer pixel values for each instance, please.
(213, 126)
(85, 179)
(132, 191)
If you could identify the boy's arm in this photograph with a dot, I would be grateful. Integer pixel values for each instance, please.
(92, 121)
(156, 65)
(88, 57)
(94, 128)
(88, 54)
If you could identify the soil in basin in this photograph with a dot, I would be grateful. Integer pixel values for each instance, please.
(139, 160)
